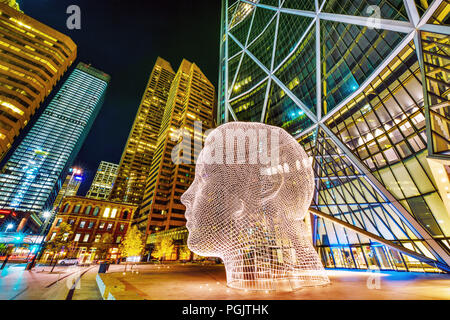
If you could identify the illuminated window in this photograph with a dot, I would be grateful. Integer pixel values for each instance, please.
(97, 237)
(96, 210)
(91, 224)
(113, 213)
(82, 224)
(86, 238)
(106, 212)
(77, 237)
(109, 226)
(76, 209)
(102, 225)
(87, 210)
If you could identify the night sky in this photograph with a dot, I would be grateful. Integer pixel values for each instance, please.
(123, 39)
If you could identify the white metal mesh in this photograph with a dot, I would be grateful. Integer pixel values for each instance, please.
(250, 213)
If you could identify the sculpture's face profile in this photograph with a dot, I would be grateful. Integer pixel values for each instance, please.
(238, 194)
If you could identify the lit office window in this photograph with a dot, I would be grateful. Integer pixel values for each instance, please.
(106, 212)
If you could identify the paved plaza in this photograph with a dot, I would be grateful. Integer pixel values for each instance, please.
(199, 282)
(64, 283)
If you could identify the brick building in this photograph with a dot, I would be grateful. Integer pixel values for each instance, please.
(91, 219)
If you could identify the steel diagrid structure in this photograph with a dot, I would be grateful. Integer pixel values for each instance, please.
(363, 86)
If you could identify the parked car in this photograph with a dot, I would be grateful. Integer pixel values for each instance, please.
(68, 262)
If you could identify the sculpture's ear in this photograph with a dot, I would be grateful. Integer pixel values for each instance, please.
(240, 212)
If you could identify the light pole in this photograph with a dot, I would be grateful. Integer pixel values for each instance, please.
(48, 214)
(9, 226)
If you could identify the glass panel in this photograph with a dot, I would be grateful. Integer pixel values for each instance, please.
(386, 9)
(298, 73)
(359, 258)
(370, 257)
(348, 258)
(383, 260)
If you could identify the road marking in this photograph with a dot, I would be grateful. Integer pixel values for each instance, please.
(19, 293)
(56, 281)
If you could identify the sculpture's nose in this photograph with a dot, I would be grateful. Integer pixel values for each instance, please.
(187, 197)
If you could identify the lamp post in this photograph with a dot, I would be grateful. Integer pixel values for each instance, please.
(47, 215)
(9, 226)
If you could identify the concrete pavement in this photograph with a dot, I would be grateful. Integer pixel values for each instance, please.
(197, 282)
(16, 283)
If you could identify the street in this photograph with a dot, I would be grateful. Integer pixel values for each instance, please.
(64, 283)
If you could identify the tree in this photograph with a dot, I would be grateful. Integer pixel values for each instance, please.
(59, 241)
(185, 253)
(133, 243)
(8, 251)
(163, 248)
(103, 245)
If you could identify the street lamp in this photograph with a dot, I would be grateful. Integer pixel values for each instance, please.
(48, 214)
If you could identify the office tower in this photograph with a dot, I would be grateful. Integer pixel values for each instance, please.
(69, 187)
(33, 57)
(137, 156)
(363, 86)
(191, 98)
(103, 181)
(30, 179)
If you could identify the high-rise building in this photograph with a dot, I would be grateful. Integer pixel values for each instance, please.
(32, 176)
(103, 181)
(191, 99)
(137, 156)
(69, 187)
(364, 87)
(33, 57)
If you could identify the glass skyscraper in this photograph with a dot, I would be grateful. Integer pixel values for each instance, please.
(364, 87)
(32, 176)
(103, 181)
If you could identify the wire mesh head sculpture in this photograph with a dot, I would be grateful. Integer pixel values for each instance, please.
(252, 189)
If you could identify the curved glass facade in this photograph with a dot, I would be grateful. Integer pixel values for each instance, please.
(363, 86)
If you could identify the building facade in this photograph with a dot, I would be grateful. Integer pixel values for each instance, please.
(91, 219)
(69, 187)
(33, 57)
(12, 3)
(137, 155)
(190, 103)
(32, 176)
(103, 181)
(363, 86)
